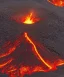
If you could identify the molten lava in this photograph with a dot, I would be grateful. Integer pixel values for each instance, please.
(23, 56)
(29, 19)
(36, 52)
(59, 3)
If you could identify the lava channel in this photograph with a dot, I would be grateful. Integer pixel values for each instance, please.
(26, 56)
(59, 3)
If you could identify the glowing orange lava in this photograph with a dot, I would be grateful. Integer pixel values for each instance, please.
(16, 61)
(36, 52)
(4, 64)
(30, 19)
(8, 52)
(59, 3)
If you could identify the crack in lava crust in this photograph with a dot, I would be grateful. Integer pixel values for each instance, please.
(18, 63)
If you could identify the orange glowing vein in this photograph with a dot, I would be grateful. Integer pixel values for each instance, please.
(8, 53)
(12, 49)
(2, 65)
(36, 51)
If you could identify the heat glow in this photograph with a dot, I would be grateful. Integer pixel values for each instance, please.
(13, 64)
(29, 19)
(59, 3)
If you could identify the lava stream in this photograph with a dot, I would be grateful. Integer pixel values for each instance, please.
(10, 48)
(36, 52)
(59, 3)
(4, 64)
(29, 19)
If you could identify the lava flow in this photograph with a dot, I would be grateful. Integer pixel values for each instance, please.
(29, 19)
(25, 56)
(59, 3)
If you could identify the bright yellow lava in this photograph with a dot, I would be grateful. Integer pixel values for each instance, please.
(36, 51)
(30, 19)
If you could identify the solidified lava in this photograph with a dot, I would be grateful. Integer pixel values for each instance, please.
(59, 3)
(26, 56)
